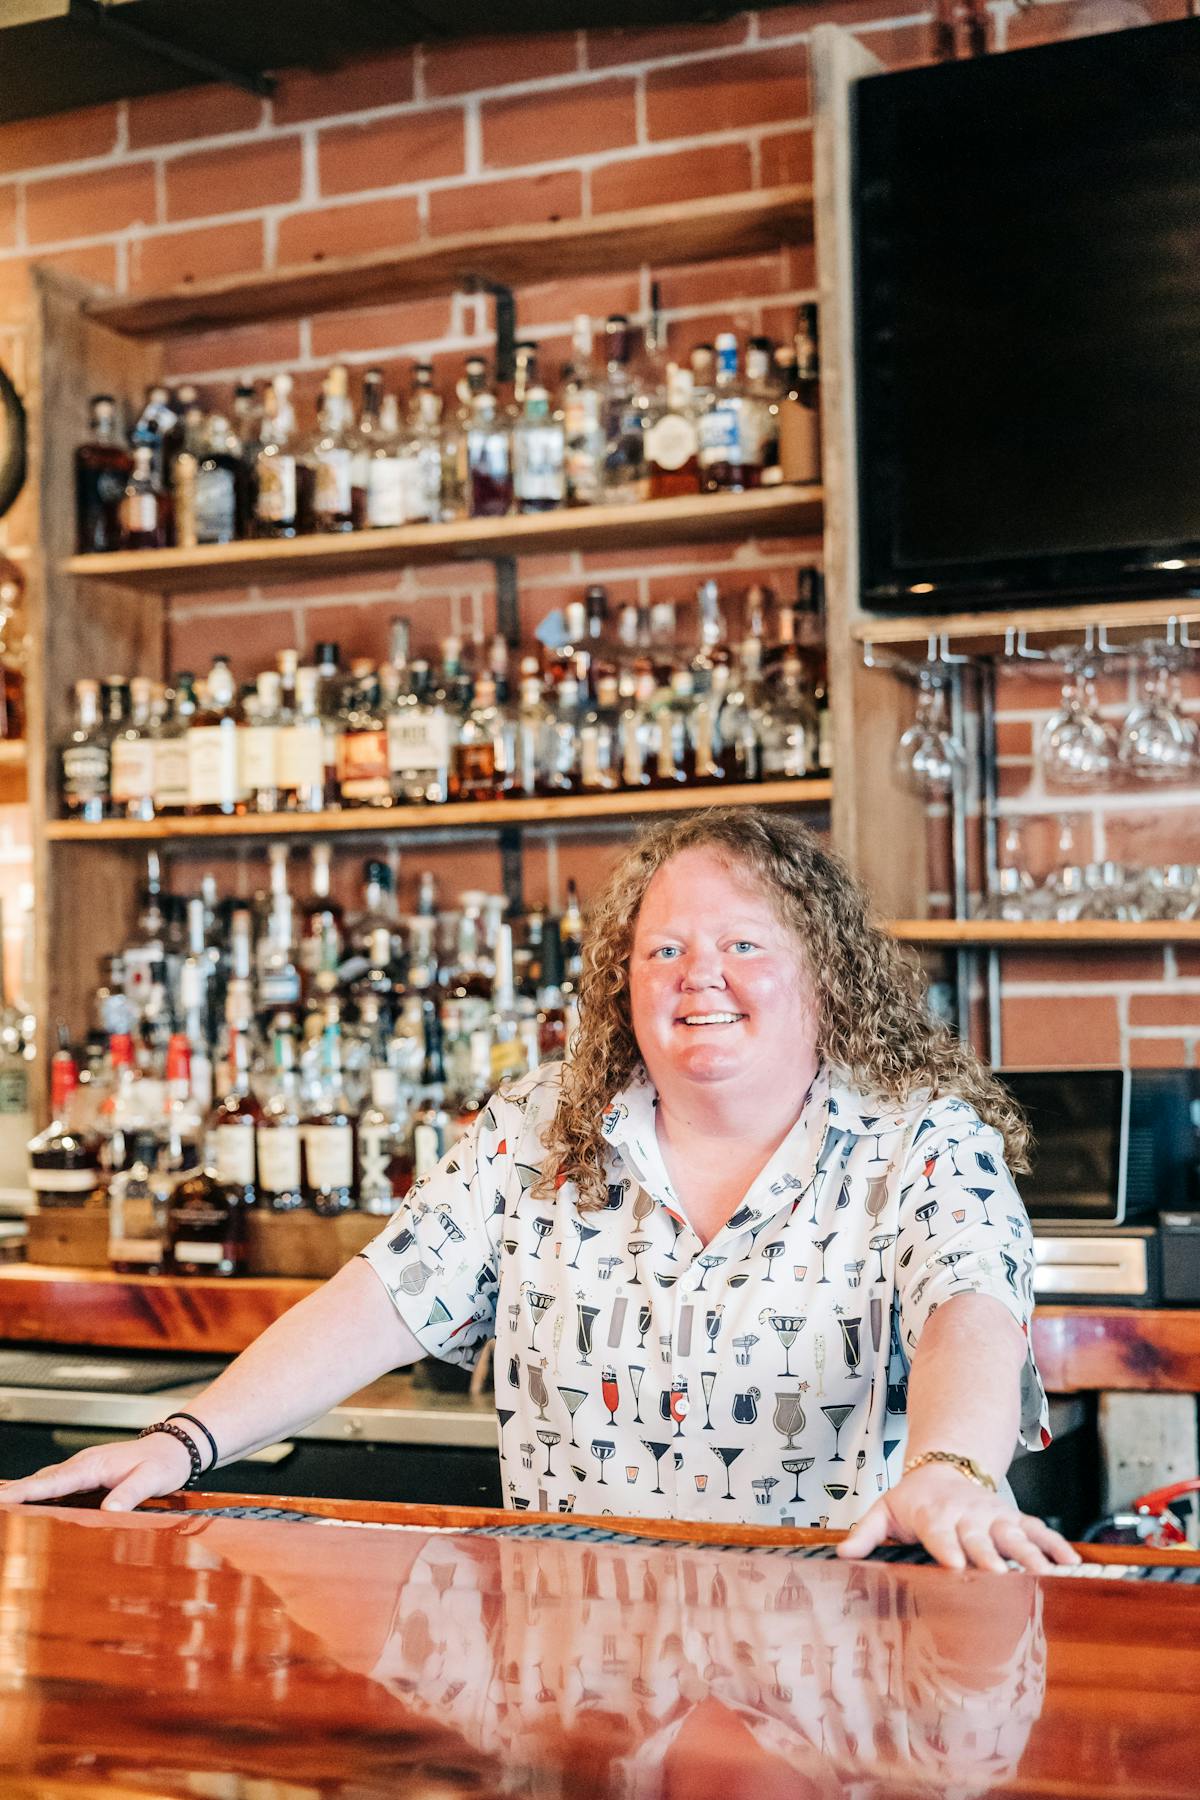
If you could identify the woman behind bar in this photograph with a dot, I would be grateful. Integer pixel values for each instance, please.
(753, 1254)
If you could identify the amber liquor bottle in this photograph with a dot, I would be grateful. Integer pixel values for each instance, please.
(103, 466)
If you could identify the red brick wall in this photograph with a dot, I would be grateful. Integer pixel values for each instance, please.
(450, 137)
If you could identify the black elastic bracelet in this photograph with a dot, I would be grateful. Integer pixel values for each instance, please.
(188, 1442)
(201, 1426)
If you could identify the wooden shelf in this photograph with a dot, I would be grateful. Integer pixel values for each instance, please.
(986, 630)
(41, 1303)
(515, 256)
(696, 518)
(377, 821)
(1079, 934)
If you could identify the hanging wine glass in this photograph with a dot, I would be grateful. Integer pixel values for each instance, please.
(1157, 743)
(929, 758)
(1077, 747)
(1013, 893)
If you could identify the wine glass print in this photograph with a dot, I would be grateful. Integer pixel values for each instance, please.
(728, 1455)
(708, 1380)
(636, 1372)
(883, 1240)
(770, 1252)
(797, 1466)
(637, 1247)
(610, 1393)
(851, 1346)
(788, 1418)
(538, 1391)
(548, 1437)
(539, 1304)
(586, 1322)
(586, 1233)
(657, 1451)
(602, 1450)
(573, 1399)
(787, 1328)
(454, 1234)
(543, 1227)
(837, 1416)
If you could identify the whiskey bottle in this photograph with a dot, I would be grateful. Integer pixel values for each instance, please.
(214, 763)
(274, 475)
(103, 465)
(170, 738)
(143, 510)
(478, 767)
(673, 440)
(280, 1176)
(206, 1227)
(385, 1160)
(137, 1212)
(328, 459)
(418, 740)
(321, 927)
(363, 772)
(216, 499)
(301, 752)
(133, 756)
(87, 759)
(63, 1168)
(799, 407)
(234, 1122)
(328, 1131)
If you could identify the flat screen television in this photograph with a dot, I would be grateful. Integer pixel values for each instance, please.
(1027, 324)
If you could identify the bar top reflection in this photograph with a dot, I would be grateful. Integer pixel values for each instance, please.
(179, 1654)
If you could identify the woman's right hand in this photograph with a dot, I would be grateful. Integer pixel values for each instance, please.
(131, 1471)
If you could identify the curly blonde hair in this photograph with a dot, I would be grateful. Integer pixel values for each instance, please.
(872, 1020)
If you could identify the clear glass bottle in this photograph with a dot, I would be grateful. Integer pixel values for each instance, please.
(132, 753)
(423, 451)
(218, 468)
(539, 476)
(278, 1140)
(214, 770)
(385, 1164)
(275, 475)
(789, 726)
(419, 741)
(327, 460)
(259, 745)
(489, 459)
(143, 510)
(583, 421)
(171, 764)
(86, 759)
(301, 750)
(328, 1132)
(385, 489)
(599, 739)
(321, 927)
(137, 1212)
(622, 417)
(368, 435)
(103, 465)
(673, 439)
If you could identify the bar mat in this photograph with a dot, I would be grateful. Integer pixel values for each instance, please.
(106, 1374)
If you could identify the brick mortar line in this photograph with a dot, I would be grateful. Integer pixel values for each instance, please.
(1183, 987)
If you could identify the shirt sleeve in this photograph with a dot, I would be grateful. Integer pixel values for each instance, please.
(963, 1229)
(438, 1257)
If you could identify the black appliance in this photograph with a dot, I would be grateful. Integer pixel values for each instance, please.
(1027, 246)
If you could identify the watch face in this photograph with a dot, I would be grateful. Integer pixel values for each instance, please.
(12, 443)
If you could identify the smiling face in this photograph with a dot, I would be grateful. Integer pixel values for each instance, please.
(719, 990)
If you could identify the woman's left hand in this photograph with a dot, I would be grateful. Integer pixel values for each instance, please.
(960, 1523)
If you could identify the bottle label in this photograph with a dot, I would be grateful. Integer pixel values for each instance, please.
(14, 1090)
(257, 745)
(362, 765)
(385, 491)
(135, 1249)
(86, 771)
(187, 1250)
(418, 740)
(132, 769)
(139, 513)
(275, 502)
(216, 506)
(671, 442)
(331, 495)
(279, 1159)
(374, 1150)
(589, 756)
(785, 756)
(170, 774)
(235, 1155)
(329, 1156)
(799, 442)
(213, 765)
(300, 750)
(540, 464)
(62, 1181)
(428, 1150)
(719, 434)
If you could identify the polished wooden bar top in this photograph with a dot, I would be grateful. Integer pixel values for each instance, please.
(173, 1652)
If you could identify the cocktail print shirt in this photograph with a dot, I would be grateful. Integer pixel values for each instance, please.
(760, 1377)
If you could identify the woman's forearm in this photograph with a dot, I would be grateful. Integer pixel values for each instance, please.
(965, 1387)
(329, 1345)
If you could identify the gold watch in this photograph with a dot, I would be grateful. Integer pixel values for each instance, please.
(964, 1464)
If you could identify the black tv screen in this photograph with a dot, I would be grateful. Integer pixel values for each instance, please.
(1027, 293)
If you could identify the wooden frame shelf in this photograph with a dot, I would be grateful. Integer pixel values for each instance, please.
(694, 231)
(454, 816)
(695, 518)
(1079, 934)
(987, 630)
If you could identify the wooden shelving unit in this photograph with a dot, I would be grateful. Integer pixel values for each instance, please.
(452, 817)
(776, 511)
(1079, 934)
(693, 231)
(987, 630)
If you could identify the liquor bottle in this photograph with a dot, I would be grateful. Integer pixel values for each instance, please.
(331, 683)
(478, 768)
(274, 474)
(183, 461)
(551, 1009)
(384, 473)
(63, 1169)
(571, 933)
(300, 748)
(418, 741)
(259, 744)
(214, 767)
(560, 766)
(328, 1131)
(363, 771)
(217, 471)
(87, 759)
(154, 429)
(278, 1139)
(599, 739)
(423, 453)
(622, 418)
(762, 384)
(367, 437)
(183, 1120)
(673, 440)
(789, 726)
(170, 739)
(278, 958)
(137, 1212)
(328, 458)
(800, 404)
(539, 478)
(431, 1123)
(738, 717)
(248, 415)
(638, 734)
(12, 655)
(132, 752)
(489, 459)
(103, 465)
(731, 428)
(385, 1162)
(234, 1123)
(675, 762)
(583, 424)
(206, 1227)
(143, 510)
(321, 927)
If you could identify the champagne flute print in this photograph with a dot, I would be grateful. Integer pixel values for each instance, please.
(573, 1399)
(822, 1244)
(636, 1371)
(797, 1466)
(728, 1455)
(643, 1324)
(586, 1320)
(787, 1328)
(712, 1329)
(859, 1461)
(770, 1252)
(708, 1380)
(788, 1418)
(837, 1416)
(548, 1437)
(602, 1450)
(586, 1233)
(543, 1227)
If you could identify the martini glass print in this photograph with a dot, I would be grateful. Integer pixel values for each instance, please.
(573, 1399)
(728, 1456)
(602, 1450)
(539, 1304)
(543, 1227)
(837, 1416)
(983, 1195)
(787, 1328)
(798, 1466)
(503, 1415)
(788, 1418)
(657, 1451)
(586, 1316)
(586, 1232)
(549, 1438)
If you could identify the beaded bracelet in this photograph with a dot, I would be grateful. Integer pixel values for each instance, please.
(188, 1442)
(201, 1426)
